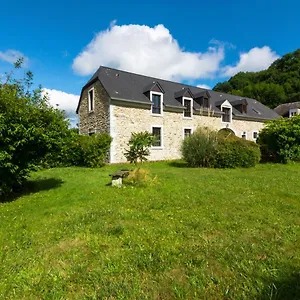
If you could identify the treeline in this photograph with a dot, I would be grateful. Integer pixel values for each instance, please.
(280, 83)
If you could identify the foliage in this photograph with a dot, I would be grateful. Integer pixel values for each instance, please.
(199, 149)
(207, 148)
(278, 84)
(235, 152)
(80, 150)
(29, 129)
(200, 234)
(140, 177)
(280, 140)
(139, 145)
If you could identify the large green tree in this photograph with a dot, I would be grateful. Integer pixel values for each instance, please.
(278, 84)
(29, 129)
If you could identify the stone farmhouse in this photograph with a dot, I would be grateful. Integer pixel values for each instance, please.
(119, 103)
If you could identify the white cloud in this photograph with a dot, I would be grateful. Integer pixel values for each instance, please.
(204, 86)
(149, 51)
(256, 59)
(63, 101)
(11, 56)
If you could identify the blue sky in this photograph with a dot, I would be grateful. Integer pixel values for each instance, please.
(198, 42)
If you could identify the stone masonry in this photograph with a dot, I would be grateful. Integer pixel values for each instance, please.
(98, 119)
(125, 120)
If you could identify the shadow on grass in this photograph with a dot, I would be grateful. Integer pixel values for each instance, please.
(288, 288)
(178, 164)
(34, 186)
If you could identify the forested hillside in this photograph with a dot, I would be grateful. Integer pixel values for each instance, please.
(278, 84)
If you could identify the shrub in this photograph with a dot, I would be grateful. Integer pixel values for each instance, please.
(140, 177)
(80, 150)
(92, 150)
(207, 148)
(199, 149)
(139, 145)
(280, 140)
(236, 152)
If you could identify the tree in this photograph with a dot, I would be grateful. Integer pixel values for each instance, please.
(29, 129)
(139, 145)
(278, 84)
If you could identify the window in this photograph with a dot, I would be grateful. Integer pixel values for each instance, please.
(91, 99)
(187, 103)
(156, 103)
(156, 132)
(187, 132)
(255, 135)
(227, 114)
(91, 132)
(244, 135)
(205, 102)
(244, 108)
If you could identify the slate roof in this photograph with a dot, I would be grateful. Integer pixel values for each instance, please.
(126, 86)
(283, 109)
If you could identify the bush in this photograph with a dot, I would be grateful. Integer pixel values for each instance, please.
(280, 140)
(29, 129)
(199, 149)
(80, 150)
(207, 148)
(236, 152)
(140, 177)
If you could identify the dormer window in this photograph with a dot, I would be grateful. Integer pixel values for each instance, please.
(91, 99)
(293, 112)
(188, 104)
(226, 115)
(156, 99)
(244, 108)
(202, 98)
(226, 108)
(205, 102)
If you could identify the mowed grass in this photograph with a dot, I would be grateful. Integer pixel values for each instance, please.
(197, 234)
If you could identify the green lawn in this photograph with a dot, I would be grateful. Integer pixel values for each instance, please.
(198, 234)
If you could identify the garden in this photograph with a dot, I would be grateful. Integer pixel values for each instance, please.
(217, 224)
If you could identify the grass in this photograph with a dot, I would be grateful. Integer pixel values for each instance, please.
(198, 234)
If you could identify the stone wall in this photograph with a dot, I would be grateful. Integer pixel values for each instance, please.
(125, 120)
(97, 120)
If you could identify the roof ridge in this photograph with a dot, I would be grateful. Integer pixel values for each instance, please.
(179, 83)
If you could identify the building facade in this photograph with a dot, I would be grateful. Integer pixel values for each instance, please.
(121, 103)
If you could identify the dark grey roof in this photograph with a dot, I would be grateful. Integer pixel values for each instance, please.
(127, 86)
(183, 92)
(204, 93)
(283, 109)
(152, 85)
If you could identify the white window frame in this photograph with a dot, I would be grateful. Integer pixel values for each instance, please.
(226, 104)
(244, 133)
(192, 107)
(254, 131)
(89, 100)
(191, 128)
(161, 137)
(161, 103)
(293, 112)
